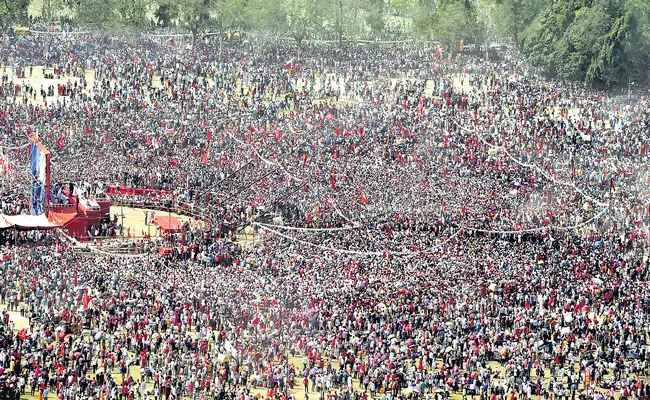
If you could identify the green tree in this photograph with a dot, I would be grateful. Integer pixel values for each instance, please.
(132, 13)
(199, 15)
(600, 42)
(266, 15)
(194, 15)
(13, 12)
(304, 16)
(512, 17)
(375, 15)
(112, 15)
(347, 18)
(542, 44)
(451, 22)
(637, 45)
(51, 9)
(100, 14)
(227, 14)
(166, 14)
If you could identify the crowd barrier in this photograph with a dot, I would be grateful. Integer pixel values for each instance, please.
(83, 248)
(129, 191)
(62, 206)
(149, 198)
(186, 209)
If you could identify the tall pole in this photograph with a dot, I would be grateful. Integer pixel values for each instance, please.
(169, 216)
(147, 222)
(629, 88)
(122, 216)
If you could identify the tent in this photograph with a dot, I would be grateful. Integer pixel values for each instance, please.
(26, 222)
(167, 224)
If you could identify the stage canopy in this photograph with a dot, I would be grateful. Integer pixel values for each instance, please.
(26, 222)
(167, 224)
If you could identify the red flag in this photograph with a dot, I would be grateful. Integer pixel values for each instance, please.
(304, 159)
(204, 158)
(59, 142)
(209, 135)
(333, 181)
(86, 300)
(278, 135)
(388, 229)
(364, 199)
(173, 162)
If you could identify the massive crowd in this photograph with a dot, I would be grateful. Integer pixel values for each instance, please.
(433, 225)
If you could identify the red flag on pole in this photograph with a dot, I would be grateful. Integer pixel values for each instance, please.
(333, 181)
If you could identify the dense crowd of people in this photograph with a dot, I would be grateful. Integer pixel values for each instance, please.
(432, 225)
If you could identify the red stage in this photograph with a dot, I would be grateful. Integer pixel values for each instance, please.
(70, 218)
(77, 217)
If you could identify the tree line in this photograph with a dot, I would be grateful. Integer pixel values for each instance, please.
(599, 42)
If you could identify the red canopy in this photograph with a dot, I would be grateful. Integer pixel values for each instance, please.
(167, 224)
